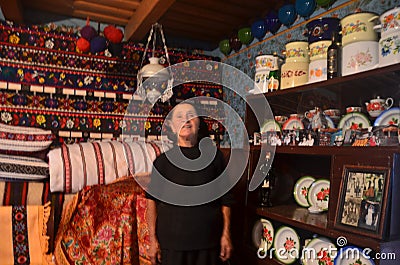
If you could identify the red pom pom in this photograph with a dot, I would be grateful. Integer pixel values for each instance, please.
(113, 34)
(82, 45)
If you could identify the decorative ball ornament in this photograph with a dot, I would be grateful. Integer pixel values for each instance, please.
(88, 32)
(113, 34)
(287, 14)
(324, 3)
(245, 36)
(225, 47)
(98, 44)
(82, 45)
(235, 43)
(305, 7)
(272, 22)
(258, 29)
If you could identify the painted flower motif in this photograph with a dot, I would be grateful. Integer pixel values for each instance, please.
(323, 195)
(70, 124)
(6, 117)
(324, 258)
(14, 39)
(88, 80)
(360, 59)
(289, 244)
(304, 191)
(49, 44)
(266, 236)
(147, 125)
(96, 123)
(40, 119)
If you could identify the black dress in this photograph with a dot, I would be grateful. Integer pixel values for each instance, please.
(190, 234)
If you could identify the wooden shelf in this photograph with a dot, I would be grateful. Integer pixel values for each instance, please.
(299, 217)
(331, 150)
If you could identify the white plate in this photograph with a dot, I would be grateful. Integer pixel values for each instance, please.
(270, 126)
(293, 123)
(354, 119)
(388, 117)
(263, 234)
(318, 193)
(286, 245)
(350, 254)
(301, 189)
(313, 252)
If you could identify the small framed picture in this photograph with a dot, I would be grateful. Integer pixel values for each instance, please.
(362, 200)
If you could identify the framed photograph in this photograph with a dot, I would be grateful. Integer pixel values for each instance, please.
(362, 200)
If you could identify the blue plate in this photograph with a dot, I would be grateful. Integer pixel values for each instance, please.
(388, 117)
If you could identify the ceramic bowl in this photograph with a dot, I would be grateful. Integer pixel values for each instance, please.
(389, 47)
(332, 112)
(353, 109)
(359, 56)
(358, 27)
(317, 71)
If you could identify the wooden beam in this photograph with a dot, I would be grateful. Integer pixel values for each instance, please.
(124, 4)
(95, 17)
(149, 12)
(85, 6)
(12, 10)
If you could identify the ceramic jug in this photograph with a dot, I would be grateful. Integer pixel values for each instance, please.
(377, 105)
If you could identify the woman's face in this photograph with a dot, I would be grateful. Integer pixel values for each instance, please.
(185, 124)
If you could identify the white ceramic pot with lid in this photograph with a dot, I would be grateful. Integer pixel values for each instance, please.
(294, 74)
(359, 56)
(297, 51)
(389, 22)
(317, 70)
(377, 105)
(319, 50)
(267, 62)
(358, 27)
(389, 49)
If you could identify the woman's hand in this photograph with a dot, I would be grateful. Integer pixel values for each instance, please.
(226, 247)
(154, 251)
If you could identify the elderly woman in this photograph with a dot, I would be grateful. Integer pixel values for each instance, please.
(191, 234)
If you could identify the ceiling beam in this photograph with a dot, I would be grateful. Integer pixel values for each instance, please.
(149, 12)
(12, 10)
(125, 4)
(103, 10)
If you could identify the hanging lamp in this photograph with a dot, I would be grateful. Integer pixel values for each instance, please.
(154, 81)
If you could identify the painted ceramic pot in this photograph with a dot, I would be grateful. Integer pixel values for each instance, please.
(390, 22)
(267, 62)
(358, 27)
(321, 29)
(377, 105)
(317, 71)
(359, 56)
(297, 51)
(294, 74)
(319, 50)
(261, 80)
(389, 49)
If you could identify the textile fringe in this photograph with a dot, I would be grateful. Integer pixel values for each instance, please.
(44, 238)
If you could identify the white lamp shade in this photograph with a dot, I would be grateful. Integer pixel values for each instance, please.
(154, 68)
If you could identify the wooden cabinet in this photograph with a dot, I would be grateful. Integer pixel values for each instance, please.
(292, 162)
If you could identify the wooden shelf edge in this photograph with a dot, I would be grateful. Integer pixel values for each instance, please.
(330, 83)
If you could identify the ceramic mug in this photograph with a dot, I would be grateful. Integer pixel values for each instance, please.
(353, 109)
(281, 119)
(332, 112)
(390, 22)
(309, 114)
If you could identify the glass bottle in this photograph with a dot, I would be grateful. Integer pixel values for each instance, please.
(334, 56)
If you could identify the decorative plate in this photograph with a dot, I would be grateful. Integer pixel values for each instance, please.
(388, 117)
(270, 126)
(319, 251)
(263, 234)
(293, 123)
(286, 245)
(352, 255)
(318, 194)
(354, 120)
(330, 122)
(301, 189)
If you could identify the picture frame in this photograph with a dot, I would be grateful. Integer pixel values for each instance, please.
(362, 200)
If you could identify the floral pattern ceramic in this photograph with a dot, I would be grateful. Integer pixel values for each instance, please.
(352, 27)
(324, 258)
(361, 58)
(391, 21)
(318, 50)
(390, 45)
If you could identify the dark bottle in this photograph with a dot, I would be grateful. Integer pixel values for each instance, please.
(334, 56)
